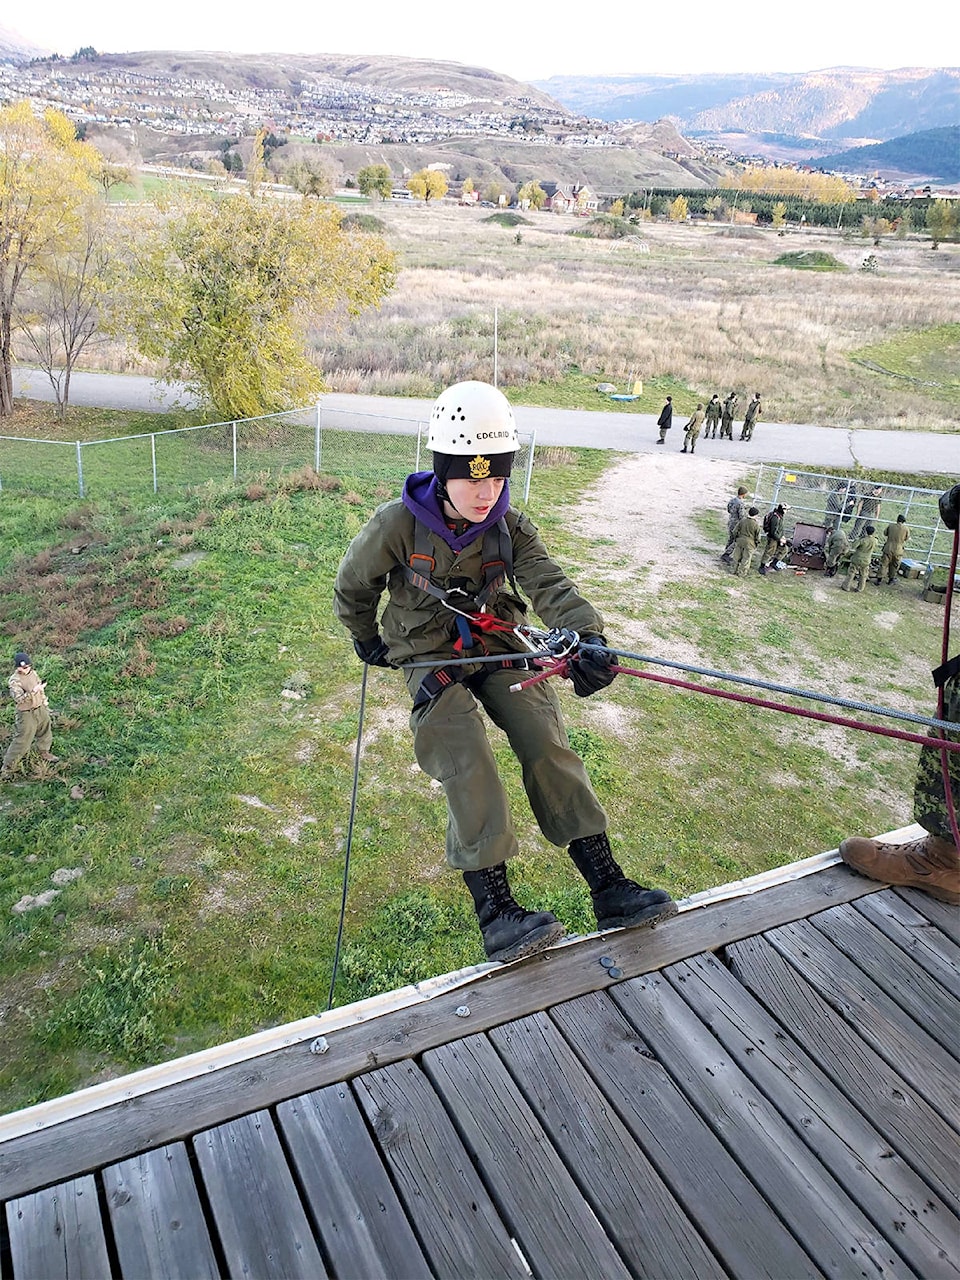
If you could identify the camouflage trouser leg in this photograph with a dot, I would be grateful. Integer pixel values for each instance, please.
(929, 794)
(888, 567)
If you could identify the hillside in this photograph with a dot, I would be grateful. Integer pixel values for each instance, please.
(932, 155)
(840, 104)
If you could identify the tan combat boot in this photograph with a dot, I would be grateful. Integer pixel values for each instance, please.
(931, 864)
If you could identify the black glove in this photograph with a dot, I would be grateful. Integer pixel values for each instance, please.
(374, 652)
(950, 507)
(590, 668)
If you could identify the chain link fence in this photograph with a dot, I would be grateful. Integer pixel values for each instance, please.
(337, 442)
(824, 500)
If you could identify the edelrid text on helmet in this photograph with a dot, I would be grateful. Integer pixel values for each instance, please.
(469, 415)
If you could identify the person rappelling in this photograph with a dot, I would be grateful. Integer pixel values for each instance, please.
(452, 556)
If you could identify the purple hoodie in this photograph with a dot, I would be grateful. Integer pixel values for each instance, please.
(420, 496)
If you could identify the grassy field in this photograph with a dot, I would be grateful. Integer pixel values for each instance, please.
(205, 706)
(693, 308)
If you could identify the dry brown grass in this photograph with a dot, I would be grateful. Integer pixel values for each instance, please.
(709, 309)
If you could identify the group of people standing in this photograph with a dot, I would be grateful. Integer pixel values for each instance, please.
(859, 554)
(744, 531)
(708, 418)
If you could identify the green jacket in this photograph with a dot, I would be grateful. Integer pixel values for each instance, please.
(863, 550)
(748, 531)
(896, 536)
(417, 627)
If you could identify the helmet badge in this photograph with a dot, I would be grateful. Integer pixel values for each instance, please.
(479, 468)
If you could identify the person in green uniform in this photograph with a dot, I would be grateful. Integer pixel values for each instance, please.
(750, 417)
(931, 863)
(773, 528)
(726, 417)
(451, 556)
(692, 430)
(32, 727)
(837, 546)
(745, 541)
(895, 537)
(711, 419)
(860, 558)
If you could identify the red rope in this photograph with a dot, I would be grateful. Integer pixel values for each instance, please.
(561, 668)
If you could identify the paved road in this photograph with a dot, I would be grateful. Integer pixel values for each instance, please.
(793, 443)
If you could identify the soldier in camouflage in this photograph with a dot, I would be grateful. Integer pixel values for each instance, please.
(896, 536)
(746, 540)
(931, 863)
(860, 558)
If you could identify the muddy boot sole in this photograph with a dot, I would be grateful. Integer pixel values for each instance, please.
(536, 940)
(640, 919)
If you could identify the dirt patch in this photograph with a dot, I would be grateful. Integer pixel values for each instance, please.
(648, 502)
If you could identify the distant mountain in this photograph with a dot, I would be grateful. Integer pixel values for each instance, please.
(840, 104)
(14, 48)
(932, 155)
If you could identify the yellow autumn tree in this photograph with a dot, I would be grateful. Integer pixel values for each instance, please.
(824, 188)
(225, 288)
(46, 177)
(428, 184)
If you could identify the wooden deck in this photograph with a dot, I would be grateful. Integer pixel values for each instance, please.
(761, 1086)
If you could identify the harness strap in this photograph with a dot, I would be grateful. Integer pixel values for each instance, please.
(497, 565)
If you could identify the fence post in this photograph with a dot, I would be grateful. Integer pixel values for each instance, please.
(233, 432)
(153, 460)
(79, 468)
(420, 426)
(776, 486)
(527, 477)
(316, 440)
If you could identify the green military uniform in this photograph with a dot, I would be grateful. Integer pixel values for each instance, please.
(774, 532)
(726, 418)
(869, 508)
(746, 539)
(711, 418)
(838, 544)
(692, 430)
(750, 419)
(32, 727)
(860, 558)
(929, 793)
(896, 536)
(450, 740)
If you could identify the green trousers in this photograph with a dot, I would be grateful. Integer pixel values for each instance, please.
(451, 745)
(929, 793)
(31, 729)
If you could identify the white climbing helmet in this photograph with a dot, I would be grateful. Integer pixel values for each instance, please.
(472, 417)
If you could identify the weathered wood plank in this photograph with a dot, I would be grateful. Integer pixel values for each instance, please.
(890, 1102)
(638, 1211)
(458, 1226)
(157, 1218)
(149, 1120)
(921, 1228)
(749, 1238)
(916, 935)
(259, 1218)
(57, 1234)
(829, 1225)
(558, 1232)
(894, 972)
(942, 914)
(880, 1020)
(347, 1191)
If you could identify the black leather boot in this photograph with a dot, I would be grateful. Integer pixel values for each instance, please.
(618, 903)
(508, 930)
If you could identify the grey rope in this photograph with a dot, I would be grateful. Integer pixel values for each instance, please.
(349, 842)
(769, 686)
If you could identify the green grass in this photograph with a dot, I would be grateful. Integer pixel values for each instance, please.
(809, 260)
(927, 358)
(207, 812)
(578, 390)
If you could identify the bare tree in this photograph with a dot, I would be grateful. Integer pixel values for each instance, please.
(65, 302)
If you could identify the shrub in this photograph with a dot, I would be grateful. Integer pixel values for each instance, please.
(809, 260)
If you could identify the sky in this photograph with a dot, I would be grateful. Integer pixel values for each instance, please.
(528, 42)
